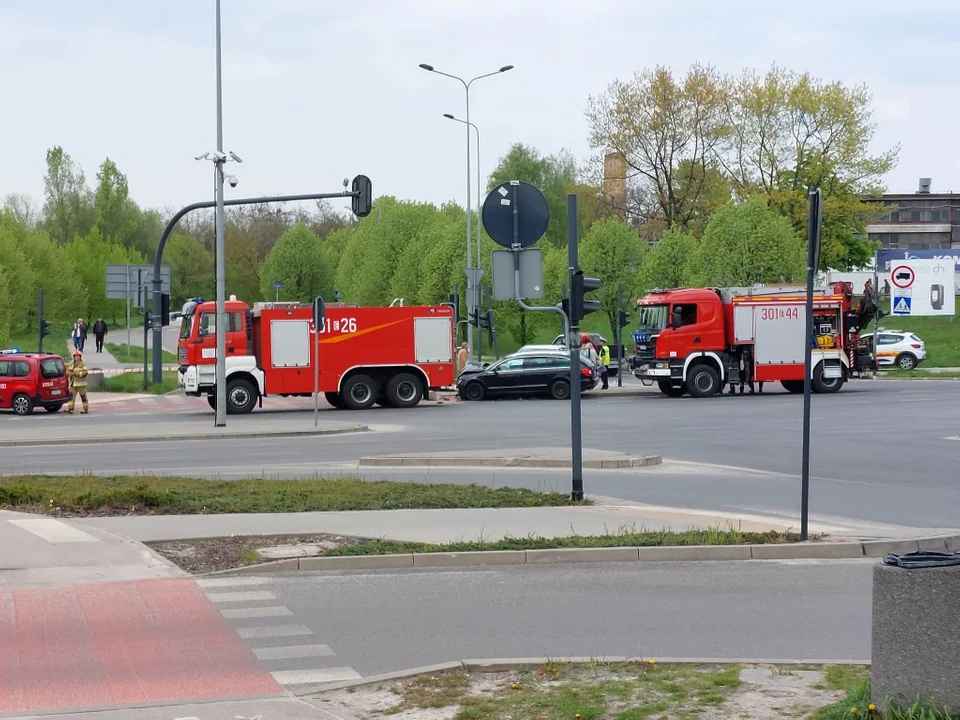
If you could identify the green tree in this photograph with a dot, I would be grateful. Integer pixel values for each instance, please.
(67, 208)
(554, 175)
(795, 131)
(192, 272)
(5, 312)
(667, 263)
(613, 252)
(89, 256)
(747, 244)
(116, 214)
(295, 262)
(21, 280)
(64, 294)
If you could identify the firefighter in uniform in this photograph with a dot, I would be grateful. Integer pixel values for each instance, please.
(77, 374)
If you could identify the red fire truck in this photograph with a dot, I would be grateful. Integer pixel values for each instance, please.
(697, 340)
(390, 356)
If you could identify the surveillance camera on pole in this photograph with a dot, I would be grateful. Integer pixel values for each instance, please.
(233, 180)
(234, 157)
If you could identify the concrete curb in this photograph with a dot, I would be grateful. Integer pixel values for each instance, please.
(677, 553)
(506, 462)
(99, 439)
(494, 665)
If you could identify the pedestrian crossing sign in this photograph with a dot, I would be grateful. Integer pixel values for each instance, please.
(901, 306)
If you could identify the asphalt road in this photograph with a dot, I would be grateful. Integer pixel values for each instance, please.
(881, 451)
(385, 621)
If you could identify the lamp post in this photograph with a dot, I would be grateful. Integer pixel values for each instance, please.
(466, 87)
(477, 289)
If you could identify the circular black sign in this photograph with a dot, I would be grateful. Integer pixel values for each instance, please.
(533, 215)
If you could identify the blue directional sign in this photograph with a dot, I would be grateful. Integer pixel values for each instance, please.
(277, 284)
(901, 305)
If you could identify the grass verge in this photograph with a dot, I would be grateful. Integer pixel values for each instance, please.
(941, 335)
(150, 495)
(625, 537)
(134, 354)
(857, 706)
(132, 382)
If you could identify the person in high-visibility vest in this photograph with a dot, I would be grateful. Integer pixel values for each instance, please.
(604, 363)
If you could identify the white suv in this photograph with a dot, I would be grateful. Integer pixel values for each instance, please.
(899, 348)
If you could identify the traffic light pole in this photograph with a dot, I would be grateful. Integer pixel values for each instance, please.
(576, 432)
(362, 187)
(619, 336)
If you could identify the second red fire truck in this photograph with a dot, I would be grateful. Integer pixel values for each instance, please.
(698, 340)
(367, 355)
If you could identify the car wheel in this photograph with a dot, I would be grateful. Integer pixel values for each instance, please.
(360, 392)
(335, 400)
(241, 397)
(907, 361)
(22, 404)
(404, 391)
(823, 384)
(792, 386)
(560, 390)
(703, 381)
(669, 389)
(474, 391)
(54, 408)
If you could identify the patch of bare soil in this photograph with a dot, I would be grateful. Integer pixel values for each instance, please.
(205, 555)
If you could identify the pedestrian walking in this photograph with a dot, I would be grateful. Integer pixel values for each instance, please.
(99, 332)
(604, 366)
(463, 357)
(83, 334)
(77, 375)
(77, 334)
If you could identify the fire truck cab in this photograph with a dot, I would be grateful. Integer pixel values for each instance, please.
(366, 355)
(697, 340)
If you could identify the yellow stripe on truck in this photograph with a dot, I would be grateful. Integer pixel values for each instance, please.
(348, 336)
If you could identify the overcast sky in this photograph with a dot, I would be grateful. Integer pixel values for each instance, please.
(316, 90)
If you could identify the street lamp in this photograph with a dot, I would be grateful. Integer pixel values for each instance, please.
(479, 299)
(471, 276)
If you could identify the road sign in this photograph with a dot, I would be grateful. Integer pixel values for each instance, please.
(901, 305)
(515, 213)
(505, 265)
(903, 276)
(277, 284)
(922, 288)
(134, 282)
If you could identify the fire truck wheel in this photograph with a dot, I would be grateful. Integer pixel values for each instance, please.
(336, 400)
(825, 385)
(241, 397)
(212, 401)
(792, 386)
(22, 404)
(360, 392)
(668, 388)
(703, 381)
(404, 391)
(560, 390)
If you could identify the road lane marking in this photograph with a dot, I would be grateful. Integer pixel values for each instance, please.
(293, 652)
(310, 677)
(273, 631)
(54, 531)
(242, 596)
(250, 613)
(231, 582)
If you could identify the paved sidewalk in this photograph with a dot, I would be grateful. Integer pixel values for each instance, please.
(94, 360)
(73, 430)
(454, 525)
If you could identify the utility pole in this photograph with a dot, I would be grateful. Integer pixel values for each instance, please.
(576, 439)
(221, 365)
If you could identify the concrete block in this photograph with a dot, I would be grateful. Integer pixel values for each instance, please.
(916, 637)
(274, 566)
(797, 551)
(933, 544)
(695, 552)
(879, 548)
(464, 559)
(574, 555)
(357, 562)
(953, 543)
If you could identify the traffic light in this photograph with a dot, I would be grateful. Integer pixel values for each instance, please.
(164, 309)
(580, 286)
(362, 202)
(454, 301)
(624, 318)
(44, 325)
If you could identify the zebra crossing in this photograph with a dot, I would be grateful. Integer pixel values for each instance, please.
(288, 649)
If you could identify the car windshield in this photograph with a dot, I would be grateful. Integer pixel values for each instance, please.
(52, 368)
(652, 317)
